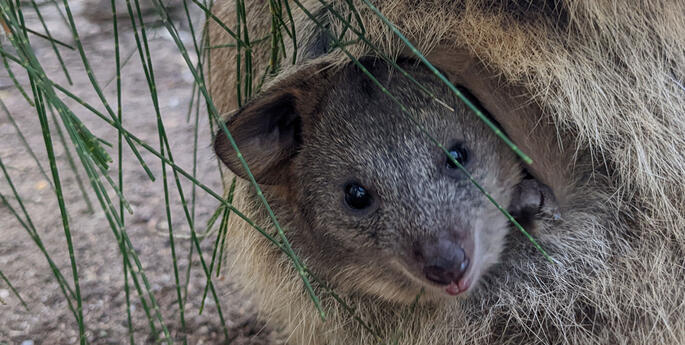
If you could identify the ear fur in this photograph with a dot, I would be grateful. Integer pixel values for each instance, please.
(268, 130)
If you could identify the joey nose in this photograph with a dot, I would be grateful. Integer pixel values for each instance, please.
(444, 262)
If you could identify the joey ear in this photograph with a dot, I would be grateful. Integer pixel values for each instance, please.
(268, 130)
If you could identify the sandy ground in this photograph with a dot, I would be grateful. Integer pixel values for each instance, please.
(48, 320)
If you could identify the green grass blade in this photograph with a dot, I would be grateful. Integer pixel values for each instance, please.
(52, 42)
(176, 168)
(14, 291)
(22, 44)
(46, 85)
(120, 174)
(149, 74)
(94, 82)
(25, 143)
(17, 86)
(458, 93)
(223, 224)
(361, 34)
(211, 16)
(231, 192)
(150, 149)
(31, 230)
(47, 38)
(126, 248)
(71, 162)
(59, 10)
(299, 267)
(63, 211)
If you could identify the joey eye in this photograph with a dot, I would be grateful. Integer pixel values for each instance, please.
(357, 197)
(459, 153)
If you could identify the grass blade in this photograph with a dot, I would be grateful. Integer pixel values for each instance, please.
(14, 291)
(70, 160)
(458, 93)
(52, 42)
(25, 143)
(299, 267)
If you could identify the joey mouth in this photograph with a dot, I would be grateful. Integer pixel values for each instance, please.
(434, 290)
(453, 288)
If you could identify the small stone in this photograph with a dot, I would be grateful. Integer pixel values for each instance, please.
(4, 293)
(40, 185)
(27, 342)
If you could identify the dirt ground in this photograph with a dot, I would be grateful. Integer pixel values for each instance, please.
(48, 319)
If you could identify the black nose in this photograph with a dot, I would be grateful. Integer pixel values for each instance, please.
(444, 261)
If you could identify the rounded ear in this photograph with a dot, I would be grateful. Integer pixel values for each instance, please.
(268, 130)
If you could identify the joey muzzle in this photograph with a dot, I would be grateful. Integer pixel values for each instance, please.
(444, 261)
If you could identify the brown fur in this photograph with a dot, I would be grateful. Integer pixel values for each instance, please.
(592, 92)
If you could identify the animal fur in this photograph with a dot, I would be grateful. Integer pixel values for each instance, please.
(593, 92)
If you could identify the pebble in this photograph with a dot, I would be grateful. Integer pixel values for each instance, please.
(27, 342)
(4, 293)
(40, 185)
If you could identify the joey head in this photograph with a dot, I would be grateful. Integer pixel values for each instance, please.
(366, 197)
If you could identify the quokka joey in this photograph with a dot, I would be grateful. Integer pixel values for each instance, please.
(591, 91)
(367, 199)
